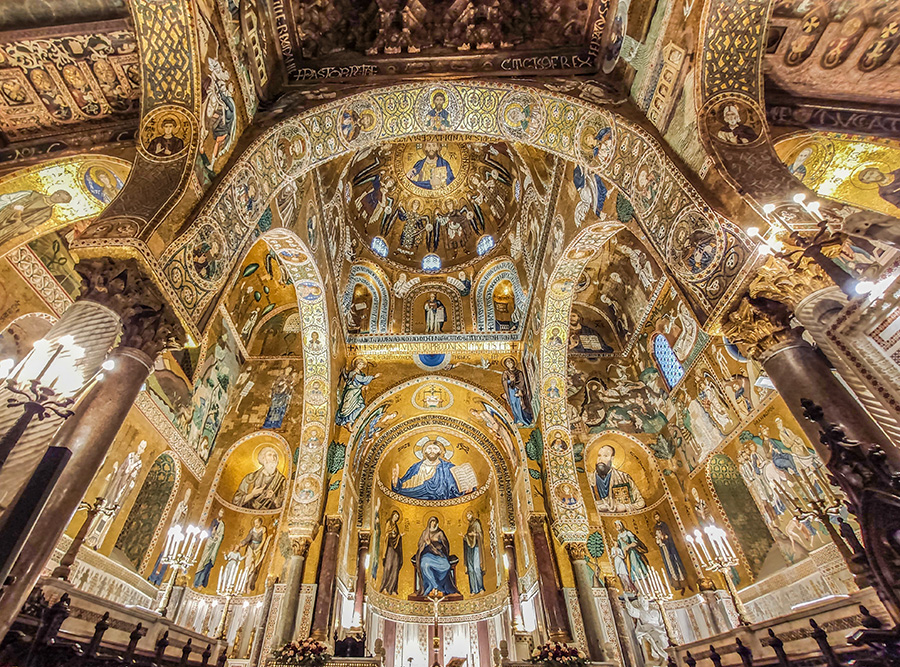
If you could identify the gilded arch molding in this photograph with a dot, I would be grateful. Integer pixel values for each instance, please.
(372, 278)
(570, 522)
(563, 126)
(307, 495)
(513, 453)
(732, 45)
(485, 283)
(170, 96)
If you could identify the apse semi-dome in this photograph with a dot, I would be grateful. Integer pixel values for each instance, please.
(432, 197)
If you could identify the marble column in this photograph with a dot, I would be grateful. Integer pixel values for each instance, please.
(326, 578)
(548, 580)
(711, 607)
(260, 637)
(359, 595)
(590, 615)
(512, 575)
(148, 326)
(287, 619)
(761, 327)
(623, 634)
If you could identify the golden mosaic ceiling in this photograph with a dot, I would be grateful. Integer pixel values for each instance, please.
(432, 198)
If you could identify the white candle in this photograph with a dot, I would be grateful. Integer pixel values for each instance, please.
(658, 582)
(727, 544)
(640, 587)
(165, 551)
(698, 536)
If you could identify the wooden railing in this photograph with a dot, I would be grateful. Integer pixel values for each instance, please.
(834, 633)
(51, 634)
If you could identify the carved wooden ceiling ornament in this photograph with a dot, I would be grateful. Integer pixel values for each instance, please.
(322, 39)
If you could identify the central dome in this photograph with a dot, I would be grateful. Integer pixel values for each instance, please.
(416, 199)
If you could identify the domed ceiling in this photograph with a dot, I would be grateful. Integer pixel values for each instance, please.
(430, 197)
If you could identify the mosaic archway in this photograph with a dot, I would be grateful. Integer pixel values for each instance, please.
(370, 424)
(307, 495)
(374, 280)
(454, 316)
(572, 129)
(485, 283)
(570, 522)
(732, 114)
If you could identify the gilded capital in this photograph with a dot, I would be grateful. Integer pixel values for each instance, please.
(148, 322)
(577, 550)
(536, 522)
(758, 325)
(364, 540)
(300, 546)
(333, 524)
(509, 540)
(789, 283)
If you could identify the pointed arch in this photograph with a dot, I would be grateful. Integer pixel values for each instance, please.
(560, 125)
(485, 283)
(295, 257)
(372, 278)
(454, 317)
(570, 522)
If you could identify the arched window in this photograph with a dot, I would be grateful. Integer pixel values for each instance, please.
(380, 246)
(668, 363)
(431, 263)
(485, 244)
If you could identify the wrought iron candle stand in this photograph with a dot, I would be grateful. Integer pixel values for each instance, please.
(656, 589)
(180, 553)
(721, 558)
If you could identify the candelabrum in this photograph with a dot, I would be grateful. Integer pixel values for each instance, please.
(40, 385)
(232, 580)
(813, 247)
(656, 589)
(180, 553)
(719, 557)
(810, 496)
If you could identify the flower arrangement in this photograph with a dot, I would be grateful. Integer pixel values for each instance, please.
(302, 653)
(554, 654)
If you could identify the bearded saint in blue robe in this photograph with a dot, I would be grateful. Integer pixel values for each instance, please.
(428, 479)
(432, 171)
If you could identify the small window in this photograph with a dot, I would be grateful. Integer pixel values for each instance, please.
(431, 263)
(485, 244)
(668, 363)
(380, 246)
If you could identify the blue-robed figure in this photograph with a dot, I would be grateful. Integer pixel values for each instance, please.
(352, 402)
(432, 172)
(433, 562)
(428, 479)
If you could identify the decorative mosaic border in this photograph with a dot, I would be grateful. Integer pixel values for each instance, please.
(451, 611)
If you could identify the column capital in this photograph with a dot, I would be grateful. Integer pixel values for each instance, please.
(148, 322)
(759, 326)
(612, 583)
(537, 521)
(577, 550)
(364, 539)
(789, 283)
(333, 524)
(509, 540)
(300, 546)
